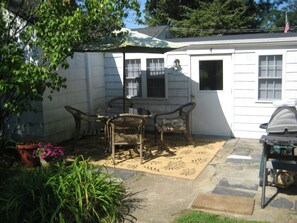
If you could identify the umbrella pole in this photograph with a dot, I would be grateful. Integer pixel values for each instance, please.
(124, 80)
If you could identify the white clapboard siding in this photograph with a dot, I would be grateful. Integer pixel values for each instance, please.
(177, 83)
(249, 113)
(85, 91)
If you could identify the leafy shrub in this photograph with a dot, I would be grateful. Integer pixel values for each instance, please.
(61, 193)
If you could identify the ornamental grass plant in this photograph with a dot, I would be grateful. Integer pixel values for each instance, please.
(62, 193)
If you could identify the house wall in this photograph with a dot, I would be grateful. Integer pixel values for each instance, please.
(178, 88)
(113, 72)
(249, 112)
(27, 124)
(177, 82)
(85, 91)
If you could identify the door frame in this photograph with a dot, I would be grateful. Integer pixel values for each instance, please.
(225, 94)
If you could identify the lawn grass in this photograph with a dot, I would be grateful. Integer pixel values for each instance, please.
(202, 217)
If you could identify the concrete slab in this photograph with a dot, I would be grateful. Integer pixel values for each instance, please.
(160, 199)
(163, 198)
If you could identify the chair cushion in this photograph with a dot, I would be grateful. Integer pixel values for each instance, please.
(169, 125)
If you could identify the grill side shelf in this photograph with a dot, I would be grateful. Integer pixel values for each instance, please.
(278, 140)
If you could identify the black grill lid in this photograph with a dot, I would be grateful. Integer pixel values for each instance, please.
(284, 119)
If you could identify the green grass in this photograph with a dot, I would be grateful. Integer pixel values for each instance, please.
(201, 217)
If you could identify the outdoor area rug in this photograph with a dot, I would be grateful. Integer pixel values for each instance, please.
(225, 203)
(183, 161)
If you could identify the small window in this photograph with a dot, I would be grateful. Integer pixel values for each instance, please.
(211, 75)
(155, 78)
(270, 77)
(133, 78)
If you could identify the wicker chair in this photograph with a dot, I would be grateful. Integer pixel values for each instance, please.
(113, 107)
(126, 129)
(85, 124)
(175, 121)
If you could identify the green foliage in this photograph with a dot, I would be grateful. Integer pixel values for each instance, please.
(203, 17)
(36, 37)
(215, 17)
(269, 12)
(61, 193)
(161, 12)
(211, 17)
(279, 16)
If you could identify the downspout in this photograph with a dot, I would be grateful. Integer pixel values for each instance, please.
(124, 79)
(89, 84)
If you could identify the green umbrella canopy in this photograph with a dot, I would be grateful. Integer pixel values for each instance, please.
(128, 41)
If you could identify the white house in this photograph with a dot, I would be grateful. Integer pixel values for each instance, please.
(85, 89)
(233, 79)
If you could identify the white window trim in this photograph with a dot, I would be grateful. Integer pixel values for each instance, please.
(269, 53)
(195, 69)
(143, 58)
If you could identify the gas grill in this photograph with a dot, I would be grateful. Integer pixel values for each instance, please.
(278, 155)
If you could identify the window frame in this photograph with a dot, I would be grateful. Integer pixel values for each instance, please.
(135, 78)
(147, 77)
(143, 65)
(269, 53)
(221, 78)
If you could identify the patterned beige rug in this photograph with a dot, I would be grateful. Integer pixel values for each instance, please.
(184, 161)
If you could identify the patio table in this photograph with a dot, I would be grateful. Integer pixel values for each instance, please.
(106, 113)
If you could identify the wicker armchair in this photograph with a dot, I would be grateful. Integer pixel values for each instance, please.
(126, 129)
(113, 107)
(85, 124)
(175, 121)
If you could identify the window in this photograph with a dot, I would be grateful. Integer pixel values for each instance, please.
(211, 75)
(270, 77)
(149, 84)
(155, 78)
(133, 78)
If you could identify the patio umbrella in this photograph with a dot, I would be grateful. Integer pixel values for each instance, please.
(128, 41)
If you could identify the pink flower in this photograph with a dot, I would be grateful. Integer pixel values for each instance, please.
(48, 150)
